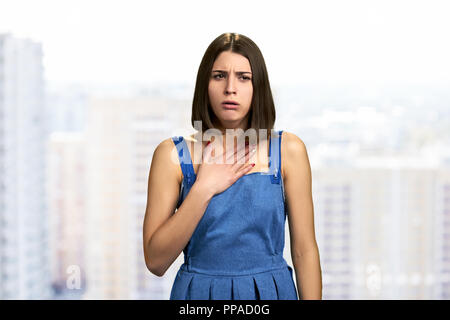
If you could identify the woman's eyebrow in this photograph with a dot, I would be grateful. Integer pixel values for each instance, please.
(238, 72)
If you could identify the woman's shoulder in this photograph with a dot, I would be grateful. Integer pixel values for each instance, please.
(291, 139)
(165, 152)
(169, 142)
(293, 149)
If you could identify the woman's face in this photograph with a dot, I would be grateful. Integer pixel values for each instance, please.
(231, 79)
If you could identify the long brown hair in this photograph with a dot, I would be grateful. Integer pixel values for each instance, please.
(262, 109)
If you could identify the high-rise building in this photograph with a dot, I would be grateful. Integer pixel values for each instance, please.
(333, 194)
(66, 107)
(441, 245)
(24, 267)
(121, 136)
(67, 213)
(379, 231)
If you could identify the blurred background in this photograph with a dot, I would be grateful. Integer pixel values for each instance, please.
(88, 89)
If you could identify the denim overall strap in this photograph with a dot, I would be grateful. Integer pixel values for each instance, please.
(275, 157)
(185, 160)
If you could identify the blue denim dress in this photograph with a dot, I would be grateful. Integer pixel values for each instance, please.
(236, 250)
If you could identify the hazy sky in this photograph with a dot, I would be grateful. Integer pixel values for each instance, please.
(302, 41)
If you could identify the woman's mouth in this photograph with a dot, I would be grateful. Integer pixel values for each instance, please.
(230, 105)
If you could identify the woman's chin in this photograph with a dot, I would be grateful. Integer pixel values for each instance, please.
(230, 120)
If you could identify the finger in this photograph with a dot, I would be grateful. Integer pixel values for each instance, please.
(238, 167)
(245, 168)
(208, 148)
(208, 153)
(214, 159)
(242, 159)
(235, 147)
(249, 152)
(236, 157)
(217, 150)
(239, 154)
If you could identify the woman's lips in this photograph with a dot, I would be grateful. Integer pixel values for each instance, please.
(230, 106)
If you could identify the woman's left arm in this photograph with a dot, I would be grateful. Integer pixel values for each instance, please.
(296, 171)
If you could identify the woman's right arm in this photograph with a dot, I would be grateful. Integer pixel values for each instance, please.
(166, 234)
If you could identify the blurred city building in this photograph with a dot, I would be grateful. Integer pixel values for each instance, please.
(24, 231)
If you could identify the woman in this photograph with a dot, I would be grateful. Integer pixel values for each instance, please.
(232, 206)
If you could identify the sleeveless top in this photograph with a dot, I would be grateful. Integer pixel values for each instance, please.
(236, 250)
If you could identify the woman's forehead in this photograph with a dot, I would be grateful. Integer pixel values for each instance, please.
(234, 60)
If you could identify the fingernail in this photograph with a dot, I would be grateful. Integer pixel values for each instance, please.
(253, 164)
(208, 143)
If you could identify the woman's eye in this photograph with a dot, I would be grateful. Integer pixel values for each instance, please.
(219, 76)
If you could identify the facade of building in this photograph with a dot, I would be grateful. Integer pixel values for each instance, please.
(24, 245)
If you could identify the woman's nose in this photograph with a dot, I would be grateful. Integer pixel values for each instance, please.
(230, 85)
